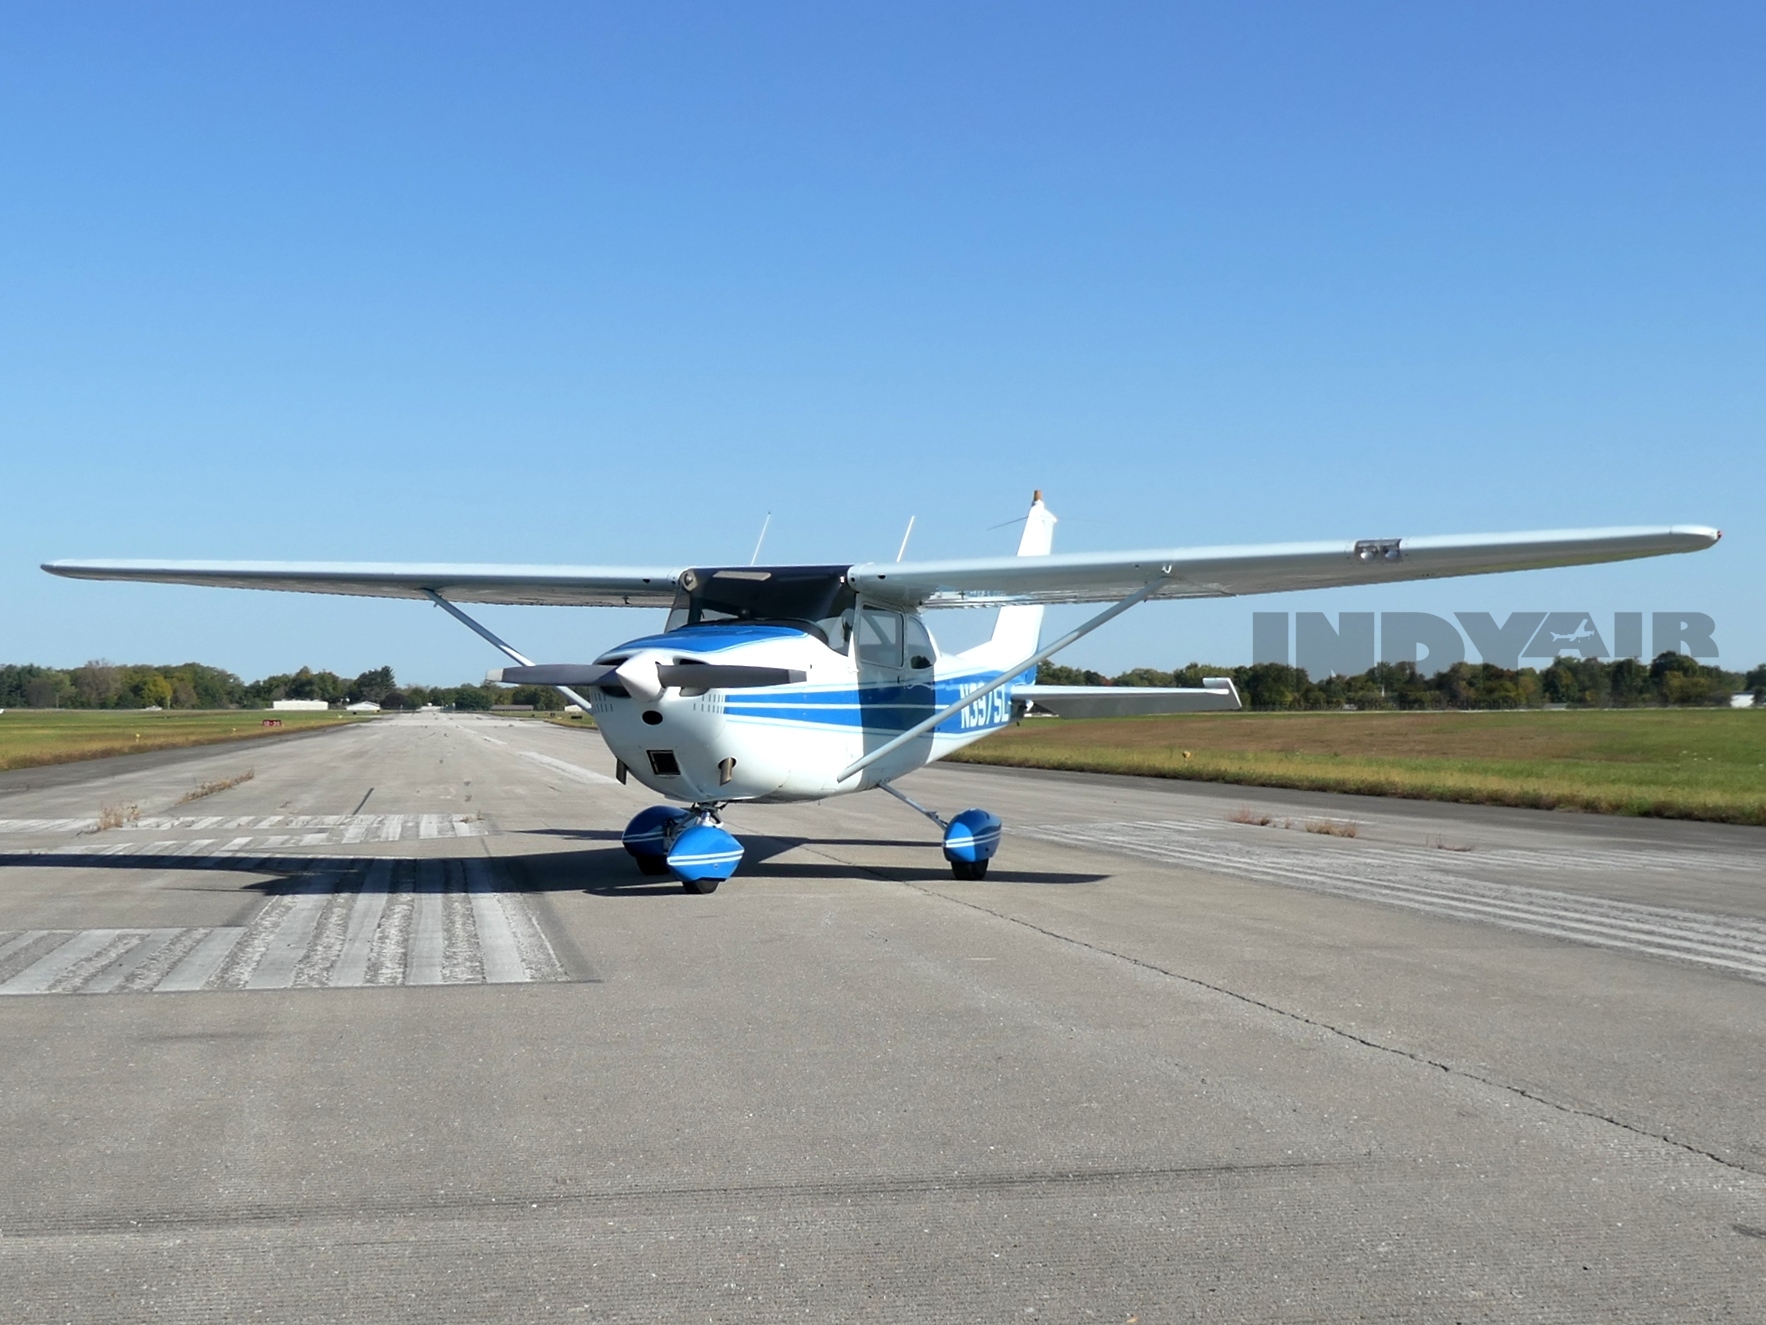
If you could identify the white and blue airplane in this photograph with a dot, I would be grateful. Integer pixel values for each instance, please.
(795, 683)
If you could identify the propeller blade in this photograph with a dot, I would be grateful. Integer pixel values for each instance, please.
(714, 676)
(552, 674)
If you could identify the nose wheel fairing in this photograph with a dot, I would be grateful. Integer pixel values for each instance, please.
(689, 844)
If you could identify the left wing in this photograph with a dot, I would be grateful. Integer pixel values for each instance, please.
(577, 586)
(1218, 572)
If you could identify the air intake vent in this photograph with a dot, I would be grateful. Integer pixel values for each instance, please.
(664, 764)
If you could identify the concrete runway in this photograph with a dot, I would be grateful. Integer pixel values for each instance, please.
(395, 1031)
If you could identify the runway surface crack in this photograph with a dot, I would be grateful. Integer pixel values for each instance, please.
(1251, 1000)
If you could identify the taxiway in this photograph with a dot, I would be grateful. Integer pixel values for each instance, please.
(393, 1029)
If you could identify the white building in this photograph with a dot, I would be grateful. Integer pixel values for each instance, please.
(362, 706)
(299, 705)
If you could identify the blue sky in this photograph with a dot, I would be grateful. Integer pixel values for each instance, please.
(606, 284)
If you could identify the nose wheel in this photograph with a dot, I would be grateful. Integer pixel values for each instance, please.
(689, 844)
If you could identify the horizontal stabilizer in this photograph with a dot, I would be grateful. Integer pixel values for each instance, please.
(1218, 695)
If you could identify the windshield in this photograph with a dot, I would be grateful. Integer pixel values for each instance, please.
(814, 599)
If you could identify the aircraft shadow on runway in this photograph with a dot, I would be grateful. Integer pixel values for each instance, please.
(607, 871)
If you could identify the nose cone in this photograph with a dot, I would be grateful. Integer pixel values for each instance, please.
(639, 676)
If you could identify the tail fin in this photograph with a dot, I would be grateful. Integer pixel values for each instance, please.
(1019, 629)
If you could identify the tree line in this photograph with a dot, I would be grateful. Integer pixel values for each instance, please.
(106, 685)
(1670, 679)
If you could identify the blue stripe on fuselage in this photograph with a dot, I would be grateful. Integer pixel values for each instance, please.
(709, 639)
(886, 708)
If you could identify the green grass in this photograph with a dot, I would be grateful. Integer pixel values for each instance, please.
(578, 721)
(30, 737)
(1672, 763)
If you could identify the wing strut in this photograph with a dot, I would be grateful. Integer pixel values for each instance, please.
(486, 634)
(1010, 674)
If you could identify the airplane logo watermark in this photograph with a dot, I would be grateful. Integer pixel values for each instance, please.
(1348, 648)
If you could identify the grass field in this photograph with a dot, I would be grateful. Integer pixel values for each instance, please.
(1672, 763)
(30, 737)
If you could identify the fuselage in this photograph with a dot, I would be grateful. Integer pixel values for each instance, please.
(870, 674)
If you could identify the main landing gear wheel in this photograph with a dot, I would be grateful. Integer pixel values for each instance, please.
(970, 841)
(653, 866)
(699, 886)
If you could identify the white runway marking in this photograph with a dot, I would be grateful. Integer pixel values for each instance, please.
(388, 922)
(85, 825)
(406, 824)
(570, 770)
(364, 922)
(203, 962)
(307, 830)
(1421, 880)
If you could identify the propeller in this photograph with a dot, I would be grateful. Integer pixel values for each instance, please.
(636, 676)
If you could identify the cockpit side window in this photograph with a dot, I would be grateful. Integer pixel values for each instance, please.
(879, 638)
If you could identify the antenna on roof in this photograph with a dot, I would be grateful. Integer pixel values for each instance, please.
(902, 551)
(757, 542)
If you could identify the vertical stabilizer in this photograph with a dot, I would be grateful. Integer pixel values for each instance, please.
(1019, 629)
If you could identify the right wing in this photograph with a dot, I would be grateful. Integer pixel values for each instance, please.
(576, 586)
(1218, 572)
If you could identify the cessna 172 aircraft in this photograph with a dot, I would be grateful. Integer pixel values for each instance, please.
(790, 683)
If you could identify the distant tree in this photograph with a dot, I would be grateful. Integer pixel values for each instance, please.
(214, 688)
(1576, 681)
(1756, 680)
(1053, 674)
(1629, 683)
(1403, 686)
(543, 698)
(473, 698)
(1272, 686)
(152, 691)
(1191, 676)
(392, 699)
(372, 685)
(308, 684)
(15, 680)
(46, 690)
(1683, 680)
(96, 685)
(1143, 676)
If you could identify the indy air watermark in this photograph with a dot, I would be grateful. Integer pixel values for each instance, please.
(1353, 645)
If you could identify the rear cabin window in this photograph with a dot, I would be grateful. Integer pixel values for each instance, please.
(921, 651)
